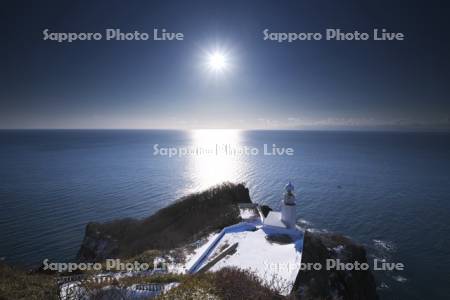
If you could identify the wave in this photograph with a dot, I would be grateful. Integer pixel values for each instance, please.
(384, 245)
(383, 286)
(399, 278)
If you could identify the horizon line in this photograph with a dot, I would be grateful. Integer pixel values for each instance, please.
(401, 130)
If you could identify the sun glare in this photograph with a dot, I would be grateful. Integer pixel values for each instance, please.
(217, 61)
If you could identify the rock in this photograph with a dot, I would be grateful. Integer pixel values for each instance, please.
(96, 246)
(333, 284)
(265, 210)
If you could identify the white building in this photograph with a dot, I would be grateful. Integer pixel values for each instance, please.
(287, 217)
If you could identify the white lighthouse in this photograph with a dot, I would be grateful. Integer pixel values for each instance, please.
(287, 217)
(288, 207)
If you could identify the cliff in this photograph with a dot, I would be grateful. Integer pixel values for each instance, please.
(182, 222)
(333, 284)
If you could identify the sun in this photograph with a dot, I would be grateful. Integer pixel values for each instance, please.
(217, 61)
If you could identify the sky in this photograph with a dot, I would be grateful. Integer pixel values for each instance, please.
(322, 84)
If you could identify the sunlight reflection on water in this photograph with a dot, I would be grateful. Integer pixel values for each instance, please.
(218, 165)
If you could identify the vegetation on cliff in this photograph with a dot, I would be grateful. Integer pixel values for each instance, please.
(15, 283)
(226, 284)
(182, 222)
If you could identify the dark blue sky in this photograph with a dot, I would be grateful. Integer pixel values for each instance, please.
(154, 84)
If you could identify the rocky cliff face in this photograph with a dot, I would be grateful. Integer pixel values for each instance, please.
(97, 246)
(333, 284)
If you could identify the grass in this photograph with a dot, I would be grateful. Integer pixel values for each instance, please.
(226, 284)
(17, 284)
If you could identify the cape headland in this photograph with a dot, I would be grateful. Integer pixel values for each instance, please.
(216, 244)
(187, 232)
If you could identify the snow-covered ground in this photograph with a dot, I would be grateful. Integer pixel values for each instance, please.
(272, 253)
(276, 263)
(248, 214)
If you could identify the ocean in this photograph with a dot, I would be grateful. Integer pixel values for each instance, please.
(387, 190)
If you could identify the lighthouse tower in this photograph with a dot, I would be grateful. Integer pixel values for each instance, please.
(288, 207)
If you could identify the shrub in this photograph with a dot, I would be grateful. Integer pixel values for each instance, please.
(225, 284)
(17, 284)
(184, 221)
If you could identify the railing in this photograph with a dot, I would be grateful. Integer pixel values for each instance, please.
(152, 287)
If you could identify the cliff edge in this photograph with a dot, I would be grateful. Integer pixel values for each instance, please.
(197, 215)
(178, 224)
(333, 284)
